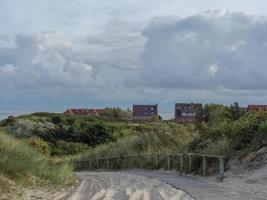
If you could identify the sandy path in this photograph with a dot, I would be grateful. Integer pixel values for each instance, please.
(118, 186)
(252, 187)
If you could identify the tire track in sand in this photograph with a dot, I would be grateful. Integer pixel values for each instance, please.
(109, 186)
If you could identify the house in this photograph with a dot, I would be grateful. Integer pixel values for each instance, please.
(83, 112)
(186, 112)
(257, 108)
(145, 112)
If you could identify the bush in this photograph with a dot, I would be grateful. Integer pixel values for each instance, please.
(116, 113)
(40, 145)
(232, 132)
(156, 137)
(62, 148)
(9, 121)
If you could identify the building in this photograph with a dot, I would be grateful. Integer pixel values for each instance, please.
(257, 108)
(145, 112)
(83, 112)
(186, 112)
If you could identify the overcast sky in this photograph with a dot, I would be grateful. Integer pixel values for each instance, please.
(56, 54)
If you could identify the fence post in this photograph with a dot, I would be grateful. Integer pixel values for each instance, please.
(118, 161)
(181, 165)
(90, 164)
(78, 165)
(157, 161)
(107, 163)
(221, 166)
(169, 162)
(204, 165)
(190, 162)
(136, 161)
(97, 164)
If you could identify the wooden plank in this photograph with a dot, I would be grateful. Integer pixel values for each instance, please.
(206, 155)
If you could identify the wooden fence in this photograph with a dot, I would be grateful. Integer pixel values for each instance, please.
(184, 163)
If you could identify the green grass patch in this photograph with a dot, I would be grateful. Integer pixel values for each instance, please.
(20, 162)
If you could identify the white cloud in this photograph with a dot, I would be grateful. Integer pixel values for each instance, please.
(42, 60)
(97, 59)
(213, 69)
(211, 50)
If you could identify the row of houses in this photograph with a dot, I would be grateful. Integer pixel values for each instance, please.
(183, 112)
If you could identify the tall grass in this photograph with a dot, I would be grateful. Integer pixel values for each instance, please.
(21, 163)
(156, 137)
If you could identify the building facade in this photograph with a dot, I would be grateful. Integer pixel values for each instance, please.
(257, 108)
(145, 112)
(187, 112)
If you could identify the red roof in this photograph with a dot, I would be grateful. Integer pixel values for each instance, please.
(257, 107)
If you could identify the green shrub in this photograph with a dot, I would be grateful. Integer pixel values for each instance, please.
(9, 121)
(156, 137)
(20, 162)
(40, 145)
(116, 113)
(62, 148)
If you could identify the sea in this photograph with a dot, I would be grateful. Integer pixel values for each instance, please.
(6, 114)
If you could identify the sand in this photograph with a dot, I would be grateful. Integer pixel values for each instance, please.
(110, 185)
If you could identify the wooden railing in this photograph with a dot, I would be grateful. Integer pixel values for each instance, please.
(184, 163)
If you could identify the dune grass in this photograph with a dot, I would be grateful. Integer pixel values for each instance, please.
(23, 164)
(157, 137)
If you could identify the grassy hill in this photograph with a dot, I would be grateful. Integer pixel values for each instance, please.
(25, 166)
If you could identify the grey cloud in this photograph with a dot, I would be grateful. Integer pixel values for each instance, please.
(211, 50)
(42, 60)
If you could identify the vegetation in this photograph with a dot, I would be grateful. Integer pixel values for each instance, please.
(59, 135)
(116, 113)
(20, 162)
(155, 137)
(226, 130)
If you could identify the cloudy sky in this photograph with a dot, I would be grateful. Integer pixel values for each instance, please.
(56, 54)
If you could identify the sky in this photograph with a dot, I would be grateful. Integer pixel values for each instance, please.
(64, 54)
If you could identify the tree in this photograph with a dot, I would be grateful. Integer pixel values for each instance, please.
(234, 111)
(212, 114)
(95, 134)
